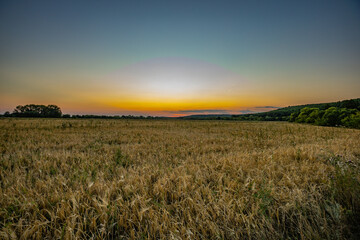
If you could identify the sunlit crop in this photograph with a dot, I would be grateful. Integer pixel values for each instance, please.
(177, 179)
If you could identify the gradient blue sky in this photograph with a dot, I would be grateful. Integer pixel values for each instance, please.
(177, 57)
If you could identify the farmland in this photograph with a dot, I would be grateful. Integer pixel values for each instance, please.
(177, 179)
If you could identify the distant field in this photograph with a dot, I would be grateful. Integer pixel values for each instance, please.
(177, 179)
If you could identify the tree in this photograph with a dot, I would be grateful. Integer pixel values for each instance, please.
(293, 116)
(352, 121)
(331, 117)
(52, 111)
(32, 110)
(313, 116)
(304, 114)
(350, 104)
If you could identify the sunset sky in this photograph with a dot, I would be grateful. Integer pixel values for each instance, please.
(172, 58)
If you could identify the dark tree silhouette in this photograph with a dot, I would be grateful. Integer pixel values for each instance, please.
(33, 110)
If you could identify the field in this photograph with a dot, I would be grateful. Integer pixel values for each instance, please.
(177, 179)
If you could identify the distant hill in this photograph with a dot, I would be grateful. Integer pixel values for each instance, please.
(281, 114)
(287, 111)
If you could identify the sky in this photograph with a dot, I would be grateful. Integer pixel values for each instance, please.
(174, 58)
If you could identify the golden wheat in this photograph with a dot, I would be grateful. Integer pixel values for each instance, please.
(173, 179)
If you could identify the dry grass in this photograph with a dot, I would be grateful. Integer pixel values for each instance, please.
(150, 179)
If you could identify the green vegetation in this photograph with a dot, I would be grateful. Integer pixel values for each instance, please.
(283, 114)
(330, 117)
(344, 113)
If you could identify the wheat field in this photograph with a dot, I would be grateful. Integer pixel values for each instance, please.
(177, 179)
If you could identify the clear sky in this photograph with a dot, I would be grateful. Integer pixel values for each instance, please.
(178, 57)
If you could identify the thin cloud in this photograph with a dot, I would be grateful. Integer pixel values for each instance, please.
(246, 111)
(201, 111)
(220, 111)
(266, 107)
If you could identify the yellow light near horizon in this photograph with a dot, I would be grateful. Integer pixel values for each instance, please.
(165, 104)
(172, 84)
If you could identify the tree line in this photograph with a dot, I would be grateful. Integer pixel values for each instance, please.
(332, 116)
(345, 113)
(53, 111)
(33, 110)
